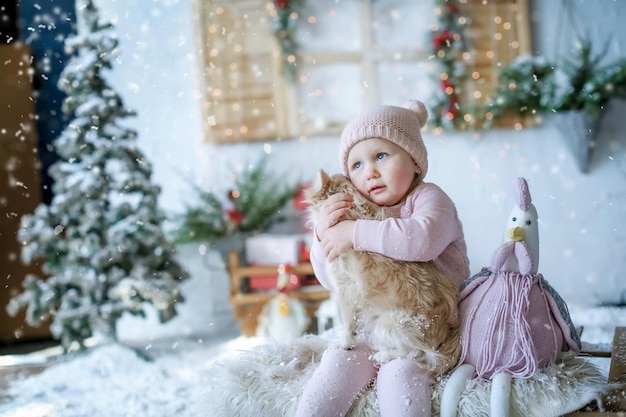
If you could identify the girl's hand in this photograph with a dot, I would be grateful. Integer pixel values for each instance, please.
(338, 239)
(331, 211)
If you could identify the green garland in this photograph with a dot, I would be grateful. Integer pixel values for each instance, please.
(252, 206)
(285, 23)
(531, 85)
(448, 45)
(520, 89)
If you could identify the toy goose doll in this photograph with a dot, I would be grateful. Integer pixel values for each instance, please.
(282, 317)
(512, 321)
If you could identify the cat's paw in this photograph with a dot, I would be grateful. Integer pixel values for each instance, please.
(338, 344)
(346, 340)
(383, 356)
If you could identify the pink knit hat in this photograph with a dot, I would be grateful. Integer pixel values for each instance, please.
(398, 125)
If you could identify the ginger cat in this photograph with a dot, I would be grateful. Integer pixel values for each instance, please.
(406, 309)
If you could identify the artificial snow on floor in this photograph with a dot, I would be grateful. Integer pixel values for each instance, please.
(167, 378)
(162, 379)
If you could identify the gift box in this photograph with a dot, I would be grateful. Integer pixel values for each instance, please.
(269, 282)
(270, 249)
(309, 280)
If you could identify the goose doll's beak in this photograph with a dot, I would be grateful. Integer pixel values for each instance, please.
(516, 234)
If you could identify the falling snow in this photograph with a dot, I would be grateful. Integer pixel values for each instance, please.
(583, 241)
(101, 235)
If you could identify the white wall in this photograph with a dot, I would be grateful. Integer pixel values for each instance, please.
(555, 27)
(583, 236)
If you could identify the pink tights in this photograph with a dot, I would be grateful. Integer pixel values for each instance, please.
(402, 388)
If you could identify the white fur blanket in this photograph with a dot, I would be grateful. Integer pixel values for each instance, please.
(267, 381)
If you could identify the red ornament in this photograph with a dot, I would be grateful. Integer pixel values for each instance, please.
(437, 42)
(445, 84)
(282, 3)
(443, 39)
(235, 216)
(452, 8)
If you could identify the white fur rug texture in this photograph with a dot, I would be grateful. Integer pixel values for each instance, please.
(267, 381)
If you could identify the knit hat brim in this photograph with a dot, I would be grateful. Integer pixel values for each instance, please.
(399, 125)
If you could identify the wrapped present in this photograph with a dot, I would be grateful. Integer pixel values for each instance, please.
(271, 249)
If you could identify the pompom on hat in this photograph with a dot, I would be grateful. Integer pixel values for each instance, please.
(399, 125)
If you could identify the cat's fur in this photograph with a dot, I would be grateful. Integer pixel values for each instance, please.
(407, 309)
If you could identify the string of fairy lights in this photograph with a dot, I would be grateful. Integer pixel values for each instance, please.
(455, 103)
(286, 15)
(449, 47)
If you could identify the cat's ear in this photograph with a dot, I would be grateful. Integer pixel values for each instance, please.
(319, 182)
(324, 179)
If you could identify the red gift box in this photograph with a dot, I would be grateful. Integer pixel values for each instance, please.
(268, 282)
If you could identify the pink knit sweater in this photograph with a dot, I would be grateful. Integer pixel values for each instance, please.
(425, 227)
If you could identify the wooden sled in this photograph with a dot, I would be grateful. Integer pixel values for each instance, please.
(614, 400)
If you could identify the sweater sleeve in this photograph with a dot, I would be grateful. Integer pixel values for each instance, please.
(319, 261)
(427, 225)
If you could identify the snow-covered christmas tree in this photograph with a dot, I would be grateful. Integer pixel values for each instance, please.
(100, 240)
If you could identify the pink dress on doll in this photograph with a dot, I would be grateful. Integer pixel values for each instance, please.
(513, 322)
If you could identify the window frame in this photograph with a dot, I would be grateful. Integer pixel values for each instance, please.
(280, 115)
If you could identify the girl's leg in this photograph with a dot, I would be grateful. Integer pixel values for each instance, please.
(338, 380)
(404, 389)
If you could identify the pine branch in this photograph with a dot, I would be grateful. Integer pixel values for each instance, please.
(253, 206)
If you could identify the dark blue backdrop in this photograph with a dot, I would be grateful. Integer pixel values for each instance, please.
(44, 25)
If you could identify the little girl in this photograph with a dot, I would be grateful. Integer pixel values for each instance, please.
(383, 154)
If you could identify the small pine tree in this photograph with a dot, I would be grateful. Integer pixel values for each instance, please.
(100, 240)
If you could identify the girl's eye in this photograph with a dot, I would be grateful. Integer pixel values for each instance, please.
(356, 165)
(381, 156)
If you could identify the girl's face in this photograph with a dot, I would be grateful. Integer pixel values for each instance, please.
(381, 171)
